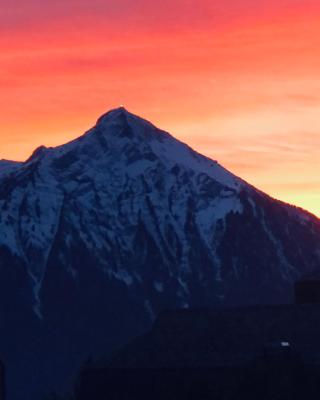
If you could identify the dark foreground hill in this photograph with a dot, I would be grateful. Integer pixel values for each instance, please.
(101, 234)
(263, 379)
(264, 353)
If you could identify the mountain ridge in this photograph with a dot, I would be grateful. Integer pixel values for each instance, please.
(41, 150)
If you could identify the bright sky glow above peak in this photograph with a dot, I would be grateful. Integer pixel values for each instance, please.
(238, 80)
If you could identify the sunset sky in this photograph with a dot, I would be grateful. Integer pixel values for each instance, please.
(238, 80)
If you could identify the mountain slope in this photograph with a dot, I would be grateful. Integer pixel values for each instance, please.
(99, 235)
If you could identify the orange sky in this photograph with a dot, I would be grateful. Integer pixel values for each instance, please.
(238, 81)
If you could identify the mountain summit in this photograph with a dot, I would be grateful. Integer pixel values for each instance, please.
(99, 235)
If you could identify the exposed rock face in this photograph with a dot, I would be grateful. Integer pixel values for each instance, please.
(99, 235)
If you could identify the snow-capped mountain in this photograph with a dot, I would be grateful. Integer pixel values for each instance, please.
(99, 235)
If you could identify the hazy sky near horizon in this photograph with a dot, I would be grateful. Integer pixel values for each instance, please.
(238, 80)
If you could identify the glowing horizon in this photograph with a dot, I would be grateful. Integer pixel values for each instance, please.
(238, 82)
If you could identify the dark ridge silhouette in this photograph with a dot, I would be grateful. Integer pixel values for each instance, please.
(264, 353)
(307, 289)
(264, 379)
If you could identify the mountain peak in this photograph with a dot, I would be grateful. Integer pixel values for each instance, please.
(115, 114)
(38, 152)
(122, 123)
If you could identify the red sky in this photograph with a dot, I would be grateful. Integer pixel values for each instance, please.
(238, 80)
